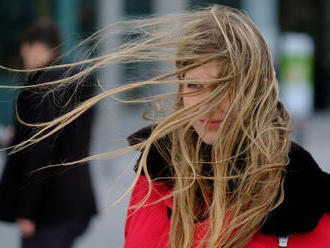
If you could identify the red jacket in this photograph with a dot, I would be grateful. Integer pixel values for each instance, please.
(301, 221)
(149, 226)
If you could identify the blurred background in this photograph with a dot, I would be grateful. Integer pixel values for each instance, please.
(297, 32)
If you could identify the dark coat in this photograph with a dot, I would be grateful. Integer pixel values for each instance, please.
(53, 194)
(303, 216)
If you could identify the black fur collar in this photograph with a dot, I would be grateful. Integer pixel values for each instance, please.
(304, 203)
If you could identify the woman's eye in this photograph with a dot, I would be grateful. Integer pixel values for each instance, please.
(194, 86)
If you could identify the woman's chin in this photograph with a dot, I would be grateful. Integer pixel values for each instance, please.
(208, 140)
(207, 137)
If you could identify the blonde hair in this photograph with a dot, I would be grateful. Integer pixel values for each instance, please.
(251, 149)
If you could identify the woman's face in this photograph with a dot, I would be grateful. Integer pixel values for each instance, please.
(208, 125)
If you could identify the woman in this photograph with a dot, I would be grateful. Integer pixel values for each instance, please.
(223, 170)
(217, 167)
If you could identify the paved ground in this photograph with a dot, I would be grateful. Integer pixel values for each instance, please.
(113, 177)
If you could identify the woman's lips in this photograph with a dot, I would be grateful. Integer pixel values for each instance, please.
(211, 123)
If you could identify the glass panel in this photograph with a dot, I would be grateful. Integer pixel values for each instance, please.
(231, 3)
(135, 71)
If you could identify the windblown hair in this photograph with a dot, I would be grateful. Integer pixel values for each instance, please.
(240, 180)
(251, 147)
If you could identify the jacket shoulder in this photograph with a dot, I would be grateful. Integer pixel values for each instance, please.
(301, 160)
(305, 196)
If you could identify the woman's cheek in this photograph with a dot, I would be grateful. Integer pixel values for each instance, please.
(188, 101)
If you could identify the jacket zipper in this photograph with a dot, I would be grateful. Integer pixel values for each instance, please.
(283, 241)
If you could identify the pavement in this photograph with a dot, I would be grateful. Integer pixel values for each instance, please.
(113, 177)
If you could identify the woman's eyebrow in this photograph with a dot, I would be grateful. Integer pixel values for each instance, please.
(195, 78)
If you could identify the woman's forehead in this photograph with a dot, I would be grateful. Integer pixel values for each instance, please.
(208, 71)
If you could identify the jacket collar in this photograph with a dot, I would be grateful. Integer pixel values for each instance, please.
(304, 201)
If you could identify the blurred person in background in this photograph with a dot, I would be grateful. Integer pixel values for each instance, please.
(53, 206)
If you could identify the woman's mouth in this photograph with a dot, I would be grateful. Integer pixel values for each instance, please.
(211, 123)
